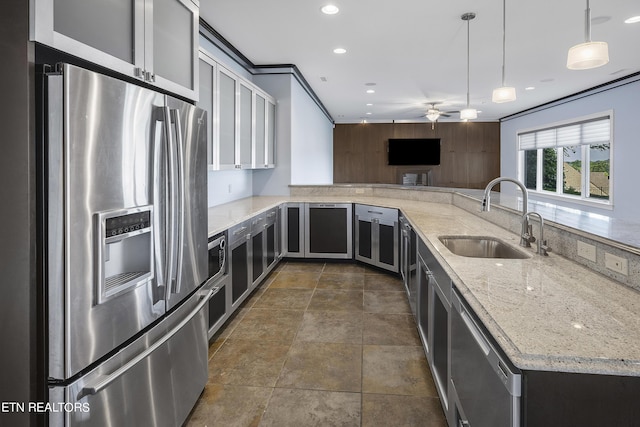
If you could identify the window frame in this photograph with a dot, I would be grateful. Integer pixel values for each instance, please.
(585, 197)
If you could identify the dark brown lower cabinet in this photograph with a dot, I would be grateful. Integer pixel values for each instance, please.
(585, 400)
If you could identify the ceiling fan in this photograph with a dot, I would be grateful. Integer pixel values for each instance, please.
(433, 113)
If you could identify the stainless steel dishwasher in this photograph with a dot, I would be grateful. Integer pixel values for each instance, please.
(485, 387)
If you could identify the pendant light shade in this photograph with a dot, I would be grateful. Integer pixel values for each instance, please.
(468, 113)
(504, 93)
(589, 54)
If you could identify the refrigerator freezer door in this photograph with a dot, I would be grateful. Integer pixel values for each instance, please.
(103, 223)
(154, 381)
(189, 131)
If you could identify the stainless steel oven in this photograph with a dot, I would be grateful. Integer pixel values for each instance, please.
(220, 301)
(217, 256)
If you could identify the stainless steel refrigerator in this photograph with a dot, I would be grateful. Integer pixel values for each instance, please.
(126, 252)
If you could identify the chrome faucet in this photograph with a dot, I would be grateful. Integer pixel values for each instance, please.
(486, 206)
(543, 249)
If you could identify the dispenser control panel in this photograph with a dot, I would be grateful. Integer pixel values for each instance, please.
(123, 224)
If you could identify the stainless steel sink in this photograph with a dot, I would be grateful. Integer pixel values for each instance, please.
(481, 247)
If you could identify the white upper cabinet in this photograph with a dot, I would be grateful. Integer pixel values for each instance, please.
(242, 132)
(155, 41)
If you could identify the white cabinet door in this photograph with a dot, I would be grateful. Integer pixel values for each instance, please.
(227, 129)
(245, 126)
(172, 57)
(155, 41)
(207, 74)
(271, 134)
(259, 159)
(265, 141)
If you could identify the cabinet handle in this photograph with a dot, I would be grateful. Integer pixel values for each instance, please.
(376, 212)
(137, 72)
(475, 333)
(239, 231)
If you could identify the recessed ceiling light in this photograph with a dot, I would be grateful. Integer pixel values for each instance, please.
(368, 114)
(632, 20)
(529, 88)
(369, 105)
(339, 50)
(330, 9)
(371, 91)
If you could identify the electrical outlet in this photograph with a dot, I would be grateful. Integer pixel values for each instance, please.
(616, 263)
(229, 189)
(587, 251)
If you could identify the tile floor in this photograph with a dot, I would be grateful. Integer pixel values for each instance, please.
(320, 344)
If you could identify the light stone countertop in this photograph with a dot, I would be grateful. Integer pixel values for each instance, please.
(546, 313)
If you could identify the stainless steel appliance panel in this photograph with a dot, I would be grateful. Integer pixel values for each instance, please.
(188, 130)
(102, 162)
(486, 389)
(153, 381)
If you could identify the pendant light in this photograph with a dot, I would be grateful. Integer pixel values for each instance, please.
(504, 93)
(589, 54)
(468, 113)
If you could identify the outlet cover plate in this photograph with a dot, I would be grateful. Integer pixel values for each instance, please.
(587, 251)
(616, 263)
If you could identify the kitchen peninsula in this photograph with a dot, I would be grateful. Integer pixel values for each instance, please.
(552, 317)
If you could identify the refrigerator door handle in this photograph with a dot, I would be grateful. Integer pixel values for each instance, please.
(103, 381)
(172, 230)
(159, 233)
(180, 185)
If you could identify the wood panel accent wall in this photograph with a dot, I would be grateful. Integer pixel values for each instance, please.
(469, 153)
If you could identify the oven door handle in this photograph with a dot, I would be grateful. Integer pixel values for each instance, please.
(103, 381)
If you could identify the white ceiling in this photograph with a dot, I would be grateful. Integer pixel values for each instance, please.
(415, 50)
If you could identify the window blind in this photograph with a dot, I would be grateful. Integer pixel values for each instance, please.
(592, 132)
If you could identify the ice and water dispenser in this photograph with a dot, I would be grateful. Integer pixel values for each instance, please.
(124, 251)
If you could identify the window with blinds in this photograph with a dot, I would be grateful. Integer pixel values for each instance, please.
(571, 160)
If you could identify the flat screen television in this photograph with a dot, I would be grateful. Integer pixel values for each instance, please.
(414, 151)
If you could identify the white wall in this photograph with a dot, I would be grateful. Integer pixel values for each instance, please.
(275, 182)
(227, 186)
(625, 166)
(312, 141)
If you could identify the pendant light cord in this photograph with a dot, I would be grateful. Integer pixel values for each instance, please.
(504, 38)
(587, 23)
(468, 41)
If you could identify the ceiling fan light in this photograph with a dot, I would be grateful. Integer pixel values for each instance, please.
(588, 55)
(504, 94)
(468, 114)
(433, 115)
